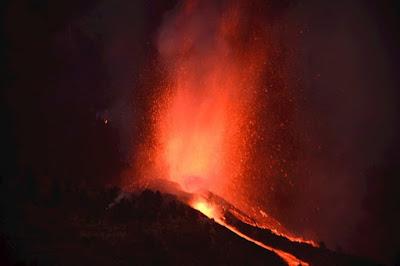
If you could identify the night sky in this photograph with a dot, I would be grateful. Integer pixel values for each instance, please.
(79, 78)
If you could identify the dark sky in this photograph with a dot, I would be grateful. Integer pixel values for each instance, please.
(69, 65)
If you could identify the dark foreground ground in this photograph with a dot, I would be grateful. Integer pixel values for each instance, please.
(77, 227)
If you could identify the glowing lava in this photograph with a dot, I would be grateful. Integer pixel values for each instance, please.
(205, 208)
(211, 212)
(213, 56)
(289, 258)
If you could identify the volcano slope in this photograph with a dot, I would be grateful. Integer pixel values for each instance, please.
(81, 227)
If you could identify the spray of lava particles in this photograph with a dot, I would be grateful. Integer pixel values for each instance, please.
(213, 61)
(213, 54)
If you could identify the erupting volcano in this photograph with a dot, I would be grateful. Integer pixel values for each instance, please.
(200, 132)
(213, 54)
(213, 63)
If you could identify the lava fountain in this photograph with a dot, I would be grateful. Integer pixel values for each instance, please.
(213, 54)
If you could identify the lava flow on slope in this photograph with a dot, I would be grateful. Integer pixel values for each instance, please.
(215, 208)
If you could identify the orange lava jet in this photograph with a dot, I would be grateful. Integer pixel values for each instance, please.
(214, 56)
(214, 59)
